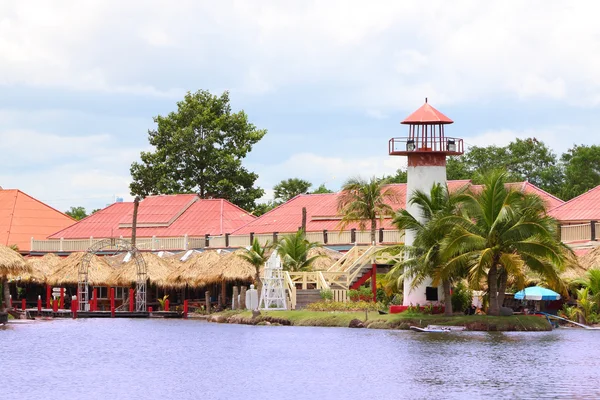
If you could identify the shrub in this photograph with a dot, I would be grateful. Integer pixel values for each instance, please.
(462, 297)
(327, 294)
(339, 306)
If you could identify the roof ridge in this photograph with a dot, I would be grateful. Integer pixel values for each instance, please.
(527, 183)
(44, 204)
(12, 216)
(575, 198)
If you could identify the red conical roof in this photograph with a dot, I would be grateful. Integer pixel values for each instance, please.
(427, 115)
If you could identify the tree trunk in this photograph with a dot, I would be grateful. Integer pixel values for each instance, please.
(6, 292)
(503, 278)
(493, 291)
(447, 298)
(136, 204)
(373, 231)
(304, 219)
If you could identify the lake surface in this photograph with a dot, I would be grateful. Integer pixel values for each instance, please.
(177, 359)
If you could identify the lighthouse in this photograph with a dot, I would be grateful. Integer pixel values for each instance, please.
(426, 147)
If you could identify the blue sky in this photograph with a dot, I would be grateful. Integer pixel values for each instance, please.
(81, 80)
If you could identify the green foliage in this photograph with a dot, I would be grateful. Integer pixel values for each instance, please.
(262, 208)
(95, 210)
(568, 312)
(256, 255)
(339, 306)
(361, 201)
(293, 250)
(401, 176)
(162, 301)
(322, 190)
(199, 148)
(582, 170)
(363, 293)
(290, 188)
(77, 213)
(327, 295)
(462, 297)
(586, 306)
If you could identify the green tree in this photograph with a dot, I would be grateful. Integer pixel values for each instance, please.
(361, 201)
(293, 250)
(199, 148)
(261, 208)
(322, 189)
(76, 213)
(257, 256)
(401, 176)
(424, 258)
(531, 160)
(95, 210)
(582, 170)
(290, 188)
(591, 281)
(457, 168)
(502, 232)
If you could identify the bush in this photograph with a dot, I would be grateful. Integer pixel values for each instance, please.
(462, 298)
(327, 294)
(339, 306)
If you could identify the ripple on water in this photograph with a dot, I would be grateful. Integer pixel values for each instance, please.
(162, 359)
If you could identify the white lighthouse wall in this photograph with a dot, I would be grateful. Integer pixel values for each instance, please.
(420, 178)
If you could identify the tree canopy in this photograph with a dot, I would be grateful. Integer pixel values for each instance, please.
(581, 170)
(77, 213)
(290, 188)
(199, 149)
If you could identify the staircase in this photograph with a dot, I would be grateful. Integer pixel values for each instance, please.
(306, 297)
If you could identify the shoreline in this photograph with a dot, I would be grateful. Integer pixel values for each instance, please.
(403, 321)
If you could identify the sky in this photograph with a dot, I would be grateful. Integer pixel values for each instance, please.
(80, 82)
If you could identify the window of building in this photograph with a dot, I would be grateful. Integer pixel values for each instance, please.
(431, 293)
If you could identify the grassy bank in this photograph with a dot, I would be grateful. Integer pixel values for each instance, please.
(390, 321)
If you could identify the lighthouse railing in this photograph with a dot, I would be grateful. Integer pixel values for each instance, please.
(436, 144)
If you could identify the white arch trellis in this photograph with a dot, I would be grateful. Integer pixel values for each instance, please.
(117, 245)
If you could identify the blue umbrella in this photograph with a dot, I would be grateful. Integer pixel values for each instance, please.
(537, 293)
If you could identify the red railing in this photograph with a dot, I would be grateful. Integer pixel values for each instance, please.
(407, 145)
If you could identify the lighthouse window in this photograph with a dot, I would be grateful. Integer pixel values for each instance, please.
(431, 293)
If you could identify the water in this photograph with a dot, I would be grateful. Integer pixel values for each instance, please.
(176, 359)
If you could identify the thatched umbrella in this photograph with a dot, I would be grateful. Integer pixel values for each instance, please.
(198, 270)
(11, 262)
(41, 268)
(67, 272)
(591, 259)
(157, 271)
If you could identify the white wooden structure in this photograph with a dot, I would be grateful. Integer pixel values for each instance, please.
(273, 296)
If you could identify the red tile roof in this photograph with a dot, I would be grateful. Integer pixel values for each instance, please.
(321, 210)
(164, 216)
(427, 115)
(585, 207)
(528, 188)
(23, 217)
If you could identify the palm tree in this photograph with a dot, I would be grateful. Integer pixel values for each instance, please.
(361, 201)
(585, 304)
(424, 257)
(293, 250)
(592, 282)
(257, 256)
(501, 233)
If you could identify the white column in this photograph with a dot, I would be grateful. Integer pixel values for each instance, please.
(420, 178)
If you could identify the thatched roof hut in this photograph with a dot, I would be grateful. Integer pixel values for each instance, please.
(326, 259)
(157, 271)
(198, 270)
(235, 268)
(591, 259)
(41, 268)
(67, 272)
(12, 262)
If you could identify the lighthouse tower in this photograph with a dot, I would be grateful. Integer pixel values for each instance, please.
(426, 147)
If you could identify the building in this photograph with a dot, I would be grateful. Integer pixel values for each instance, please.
(580, 219)
(164, 222)
(22, 218)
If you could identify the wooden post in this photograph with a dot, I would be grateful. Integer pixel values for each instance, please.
(304, 219)
(23, 304)
(112, 302)
(227, 240)
(94, 306)
(131, 299)
(48, 297)
(167, 304)
(325, 236)
(593, 230)
(251, 238)
(223, 301)
(374, 281)
(353, 235)
(136, 205)
(62, 298)
(380, 235)
(243, 298)
(207, 299)
(207, 240)
(74, 307)
(275, 237)
(185, 309)
(235, 304)
(39, 305)
(55, 305)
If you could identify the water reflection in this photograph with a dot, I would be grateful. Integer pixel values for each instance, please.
(192, 359)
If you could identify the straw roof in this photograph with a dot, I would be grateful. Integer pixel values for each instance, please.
(68, 270)
(40, 268)
(327, 258)
(235, 268)
(11, 262)
(157, 271)
(198, 270)
(590, 259)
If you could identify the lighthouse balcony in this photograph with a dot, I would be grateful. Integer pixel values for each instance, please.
(406, 145)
